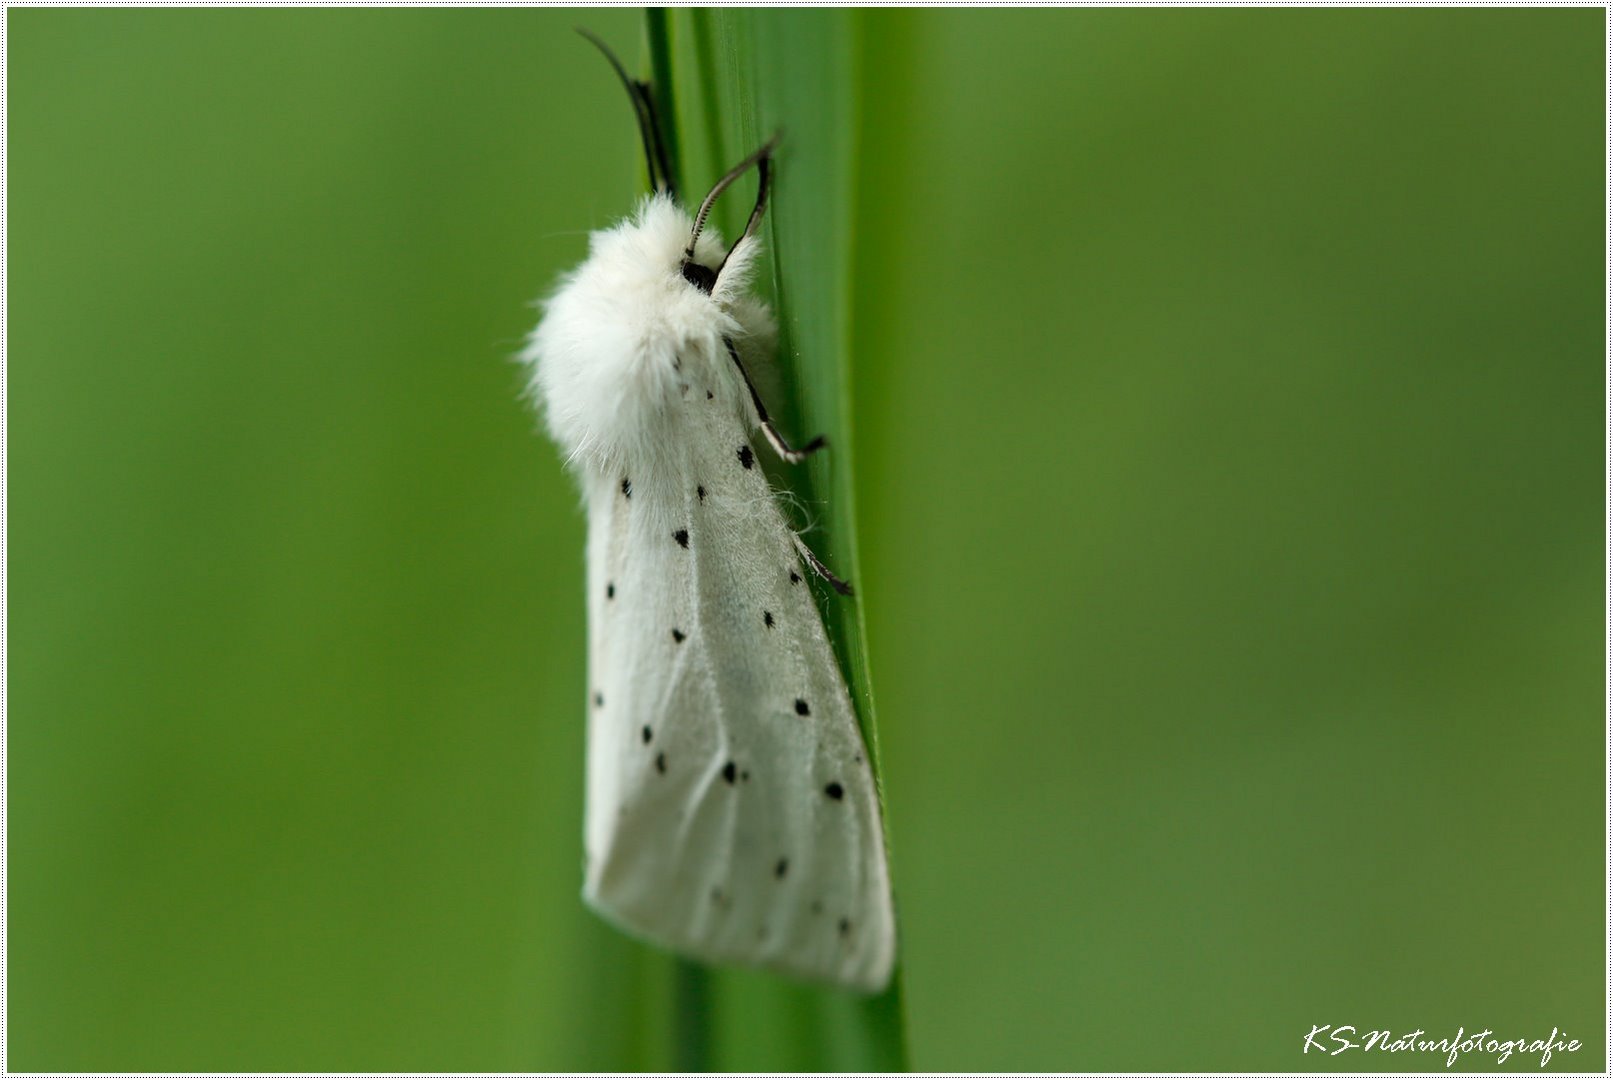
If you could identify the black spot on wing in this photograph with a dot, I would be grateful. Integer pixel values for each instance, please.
(746, 458)
(682, 537)
(700, 490)
(781, 869)
(730, 771)
(627, 487)
(834, 790)
(610, 590)
(845, 927)
(801, 707)
(767, 619)
(709, 395)
(660, 763)
(599, 700)
(795, 579)
(678, 635)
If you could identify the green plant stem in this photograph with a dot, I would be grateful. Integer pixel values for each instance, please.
(658, 29)
(750, 73)
(691, 1017)
(705, 48)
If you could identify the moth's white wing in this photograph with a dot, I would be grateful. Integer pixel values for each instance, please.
(731, 808)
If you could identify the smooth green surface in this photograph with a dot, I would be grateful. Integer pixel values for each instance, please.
(1227, 392)
(1231, 443)
(793, 76)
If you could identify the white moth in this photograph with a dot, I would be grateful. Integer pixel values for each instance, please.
(731, 809)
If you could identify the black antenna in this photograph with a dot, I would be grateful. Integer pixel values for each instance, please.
(649, 128)
(756, 211)
(759, 158)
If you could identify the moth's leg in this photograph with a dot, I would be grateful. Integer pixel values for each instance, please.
(784, 450)
(841, 587)
(780, 447)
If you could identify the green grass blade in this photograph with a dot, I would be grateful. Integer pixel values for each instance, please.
(691, 1018)
(796, 73)
(729, 80)
(708, 116)
(658, 34)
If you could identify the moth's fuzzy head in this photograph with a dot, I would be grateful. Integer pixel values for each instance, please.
(627, 334)
(649, 249)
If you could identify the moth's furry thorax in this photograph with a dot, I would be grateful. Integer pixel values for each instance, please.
(625, 339)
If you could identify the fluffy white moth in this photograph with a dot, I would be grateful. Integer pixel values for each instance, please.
(731, 808)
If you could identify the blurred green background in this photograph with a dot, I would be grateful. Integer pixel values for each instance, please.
(1229, 451)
